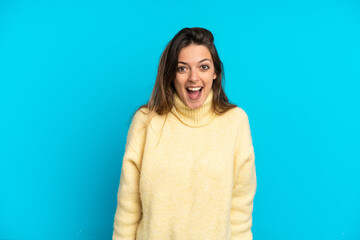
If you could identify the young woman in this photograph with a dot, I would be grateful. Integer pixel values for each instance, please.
(188, 170)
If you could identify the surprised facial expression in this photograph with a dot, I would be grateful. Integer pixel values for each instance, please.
(195, 75)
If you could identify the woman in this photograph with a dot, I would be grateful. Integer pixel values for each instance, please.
(188, 170)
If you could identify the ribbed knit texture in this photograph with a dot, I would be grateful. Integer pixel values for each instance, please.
(194, 117)
(189, 175)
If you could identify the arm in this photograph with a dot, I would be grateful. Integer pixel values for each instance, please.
(129, 209)
(245, 184)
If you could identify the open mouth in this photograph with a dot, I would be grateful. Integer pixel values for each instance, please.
(194, 93)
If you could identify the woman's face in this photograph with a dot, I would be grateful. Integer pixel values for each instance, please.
(195, 70)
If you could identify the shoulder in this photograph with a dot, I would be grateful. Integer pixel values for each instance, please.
(141, 116)
(137, 130)
(242, 129)
(141, 119)
(240, 112)
(236, 114)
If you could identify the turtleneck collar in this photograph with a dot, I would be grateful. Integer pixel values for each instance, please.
(194, 117)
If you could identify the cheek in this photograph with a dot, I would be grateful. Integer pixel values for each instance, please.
(209, 78)
(179, 81)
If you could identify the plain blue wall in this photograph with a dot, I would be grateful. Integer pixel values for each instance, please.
(72, 73)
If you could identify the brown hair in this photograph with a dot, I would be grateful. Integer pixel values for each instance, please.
(161, 99)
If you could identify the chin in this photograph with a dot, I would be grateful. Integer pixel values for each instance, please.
(195, 105)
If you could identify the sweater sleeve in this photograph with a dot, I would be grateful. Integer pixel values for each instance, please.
(245, 183)
(129, 209)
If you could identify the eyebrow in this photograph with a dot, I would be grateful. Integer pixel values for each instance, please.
(199, 61)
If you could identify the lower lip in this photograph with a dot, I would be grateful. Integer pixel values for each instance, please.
(198, 95)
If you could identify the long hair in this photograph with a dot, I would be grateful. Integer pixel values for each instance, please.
(161, 99)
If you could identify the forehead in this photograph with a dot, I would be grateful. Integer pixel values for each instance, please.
(194, 53)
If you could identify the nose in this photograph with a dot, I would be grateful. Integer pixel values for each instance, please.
(193, 76)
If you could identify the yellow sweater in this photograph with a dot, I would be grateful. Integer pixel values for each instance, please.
(191, 177)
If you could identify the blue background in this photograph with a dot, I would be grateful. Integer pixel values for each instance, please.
(73, 72)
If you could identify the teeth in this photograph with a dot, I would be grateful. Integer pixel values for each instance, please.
(194, 89)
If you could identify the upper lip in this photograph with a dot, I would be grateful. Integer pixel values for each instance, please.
(193, 86)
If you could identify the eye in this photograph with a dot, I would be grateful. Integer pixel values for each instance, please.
(181, 69)
(205, 67)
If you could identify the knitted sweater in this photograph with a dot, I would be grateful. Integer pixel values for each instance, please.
(187, 176)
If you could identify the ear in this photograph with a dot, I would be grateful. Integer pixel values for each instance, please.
(214, 77)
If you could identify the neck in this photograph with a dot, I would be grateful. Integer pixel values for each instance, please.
(194, 117)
